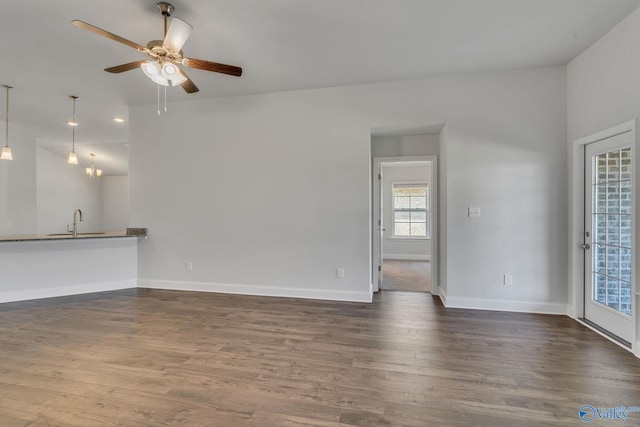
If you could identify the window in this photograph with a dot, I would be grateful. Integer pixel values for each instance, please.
(411, 210)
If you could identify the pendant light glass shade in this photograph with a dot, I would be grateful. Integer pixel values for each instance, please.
(6, 153)
(73, 157)
(6, 150)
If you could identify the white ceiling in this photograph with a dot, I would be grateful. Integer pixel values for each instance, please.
(281, 45)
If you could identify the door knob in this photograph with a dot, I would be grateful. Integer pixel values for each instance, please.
(586, 246)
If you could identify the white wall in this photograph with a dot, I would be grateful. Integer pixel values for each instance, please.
(17, 184)
(271, 192)
(115, 202)
(4, 202)
(398, 248)
(405, 145)
(603, 90)
(63, 188)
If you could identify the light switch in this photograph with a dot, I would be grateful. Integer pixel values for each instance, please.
(474, 212)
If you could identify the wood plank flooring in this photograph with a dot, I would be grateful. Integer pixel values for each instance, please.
(168, 358)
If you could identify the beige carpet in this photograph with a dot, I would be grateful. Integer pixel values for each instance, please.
(401, 275)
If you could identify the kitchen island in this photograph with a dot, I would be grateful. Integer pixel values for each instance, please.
(51, 265)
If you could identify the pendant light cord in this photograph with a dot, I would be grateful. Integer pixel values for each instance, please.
(6, 128)
(73, 128)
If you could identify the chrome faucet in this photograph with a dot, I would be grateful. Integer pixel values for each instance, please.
(75, 221)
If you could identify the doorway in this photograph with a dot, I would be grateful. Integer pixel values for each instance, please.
(405, 223)
(406, 275)
(608, 236)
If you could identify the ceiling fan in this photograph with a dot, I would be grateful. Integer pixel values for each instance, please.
(165, 55)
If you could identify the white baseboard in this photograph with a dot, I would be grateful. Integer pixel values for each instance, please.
(571, 311)
(407, 257)
(443, 296)
(505, 305)
(63, 291)
(271, 291)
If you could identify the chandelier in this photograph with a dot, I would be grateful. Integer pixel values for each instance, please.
(91, 171)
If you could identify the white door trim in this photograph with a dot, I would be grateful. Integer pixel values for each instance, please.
(577, 214)
(375, 214)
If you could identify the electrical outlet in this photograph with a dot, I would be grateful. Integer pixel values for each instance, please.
(340, 273)
(474, 212)
(507, 280)
(189, 265)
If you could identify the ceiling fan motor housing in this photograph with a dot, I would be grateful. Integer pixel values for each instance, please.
(157, 51)
(165, 8)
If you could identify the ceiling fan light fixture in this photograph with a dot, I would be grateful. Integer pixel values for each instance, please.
(169, 70)
(172, 74)
(152, 70)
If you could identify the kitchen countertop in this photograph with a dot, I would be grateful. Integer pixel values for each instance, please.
(130, 232)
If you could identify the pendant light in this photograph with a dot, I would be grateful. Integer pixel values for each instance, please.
(91, 171)
(6, 150)
(73, 157)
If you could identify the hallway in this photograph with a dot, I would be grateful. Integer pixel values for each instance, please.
(405, 275)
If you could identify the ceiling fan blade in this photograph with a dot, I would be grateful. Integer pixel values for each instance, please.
(178, 33)
(124, 67)
(188, 85)
(107, 34)
(216, 67)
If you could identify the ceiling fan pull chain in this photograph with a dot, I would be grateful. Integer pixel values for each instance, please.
(165, 100)
(158, 100)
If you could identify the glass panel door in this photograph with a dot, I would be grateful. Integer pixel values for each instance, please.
(608, 235)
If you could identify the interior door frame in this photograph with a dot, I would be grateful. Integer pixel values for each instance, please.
(577, 295)
(377, 207)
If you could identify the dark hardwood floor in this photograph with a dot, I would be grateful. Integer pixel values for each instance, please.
(168, 358)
